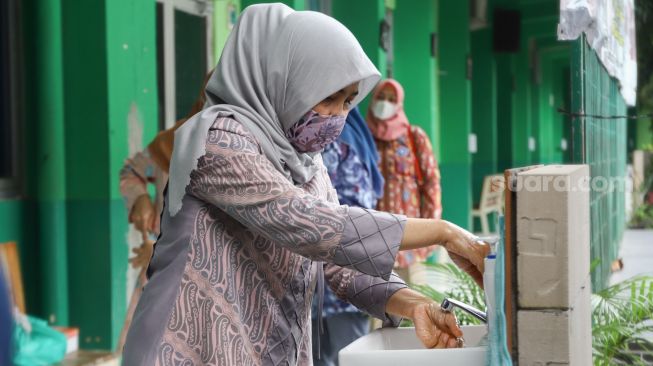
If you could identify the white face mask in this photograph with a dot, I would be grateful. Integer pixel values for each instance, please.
(383, 109)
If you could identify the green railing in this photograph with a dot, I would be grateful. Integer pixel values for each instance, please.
(601, 143)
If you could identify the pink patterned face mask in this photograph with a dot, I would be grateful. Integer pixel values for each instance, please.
(314, 132)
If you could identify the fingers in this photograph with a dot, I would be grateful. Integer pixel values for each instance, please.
(452, 325)
(464, 264)
(445, 323)
(443, 340)
(477, 256)
(453, 343)
(143, 214)
(136, 262)
(437, 328)
(142, 255)
(469, 252)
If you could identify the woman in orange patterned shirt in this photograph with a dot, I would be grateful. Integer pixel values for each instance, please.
(412, 177)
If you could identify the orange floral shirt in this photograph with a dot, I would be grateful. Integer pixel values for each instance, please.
(409, 191)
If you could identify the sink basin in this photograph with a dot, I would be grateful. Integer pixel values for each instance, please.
(400, 347)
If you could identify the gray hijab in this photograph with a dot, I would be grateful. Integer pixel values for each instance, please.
(277, 64)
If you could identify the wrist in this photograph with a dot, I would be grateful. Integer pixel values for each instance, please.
(406, 303)
(446, 232)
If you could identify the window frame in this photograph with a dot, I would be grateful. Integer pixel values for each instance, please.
(200, 8)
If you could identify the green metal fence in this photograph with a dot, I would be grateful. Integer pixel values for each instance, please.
(601, 143)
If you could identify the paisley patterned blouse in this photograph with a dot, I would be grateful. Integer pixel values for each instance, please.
(353, 184)
(403, 193)
(232, 275)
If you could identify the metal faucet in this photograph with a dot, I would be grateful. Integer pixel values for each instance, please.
(449, 304)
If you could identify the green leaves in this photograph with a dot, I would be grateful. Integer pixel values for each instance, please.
(455, 283)
(621, 317)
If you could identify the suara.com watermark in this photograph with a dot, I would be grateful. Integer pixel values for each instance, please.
(561, 183)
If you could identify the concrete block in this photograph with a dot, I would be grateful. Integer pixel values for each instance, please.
(543, 337)
(580, 330)
(557, 337)
(553, 234)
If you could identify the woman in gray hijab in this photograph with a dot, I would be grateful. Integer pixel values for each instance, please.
(251, 222)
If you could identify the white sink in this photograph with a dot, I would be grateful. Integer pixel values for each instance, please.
(400, 347)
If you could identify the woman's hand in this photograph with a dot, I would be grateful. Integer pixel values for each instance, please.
(143, 255)
(462, 246)
(466, 251)
(434, 327)
(143, 215)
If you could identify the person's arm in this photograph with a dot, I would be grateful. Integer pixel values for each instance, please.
(463, 247)
(236, 177)
(372, 294)
(434, 327)
(431, 193)
(134, 176)
(368, 293)
(392, 301)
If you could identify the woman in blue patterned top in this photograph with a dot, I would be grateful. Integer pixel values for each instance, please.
(352, 165)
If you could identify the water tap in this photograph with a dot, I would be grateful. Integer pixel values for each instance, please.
(449, 304)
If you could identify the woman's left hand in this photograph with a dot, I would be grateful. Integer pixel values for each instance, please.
(435, 327)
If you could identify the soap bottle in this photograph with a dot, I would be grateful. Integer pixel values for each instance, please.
(488, 284)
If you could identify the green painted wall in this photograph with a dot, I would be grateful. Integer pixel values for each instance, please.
(132, 122)
(110, 109)
(455, 111)
(531, 100)
(224, 16)
(87, 156)
(295, 4)
(414, 66)
(484, 109)
(363, 18)
(45, 180)
(505, 91)
(549, 126)
(521, 112)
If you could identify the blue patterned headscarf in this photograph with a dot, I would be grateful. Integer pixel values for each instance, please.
(357, 135)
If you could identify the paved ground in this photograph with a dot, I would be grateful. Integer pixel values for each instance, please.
(637, 255)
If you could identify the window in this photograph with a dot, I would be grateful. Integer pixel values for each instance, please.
(8, 99)
(184, 55)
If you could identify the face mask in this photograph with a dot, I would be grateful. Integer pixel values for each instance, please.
(382, 109)
(314, 132)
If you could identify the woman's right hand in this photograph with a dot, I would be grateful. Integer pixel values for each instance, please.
(466, 251)
(143, 215)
